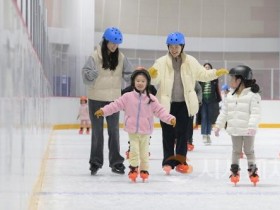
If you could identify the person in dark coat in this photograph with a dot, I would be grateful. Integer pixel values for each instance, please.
(211, 96)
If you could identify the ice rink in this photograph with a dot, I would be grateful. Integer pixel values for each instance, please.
(65, 181)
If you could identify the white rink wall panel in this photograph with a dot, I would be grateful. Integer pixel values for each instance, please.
(64, 110)
(24, 111)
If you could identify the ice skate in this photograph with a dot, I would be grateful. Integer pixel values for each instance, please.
(184, 168)
(87, 131)
(93, 169)
(253, 174)
(208, 140)
(144, 175)
(234, 177)
(81, 131)
(132, 175)
(167, 169)
(118, 168)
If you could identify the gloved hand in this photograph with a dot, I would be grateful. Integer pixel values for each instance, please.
(216, 131)
(99, 113)
(251, 132)
(153, 72)
(173, 122)
(221, 72)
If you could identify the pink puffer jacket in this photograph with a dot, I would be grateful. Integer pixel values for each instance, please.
(139, 114)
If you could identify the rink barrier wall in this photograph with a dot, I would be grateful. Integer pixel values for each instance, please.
(64, 112)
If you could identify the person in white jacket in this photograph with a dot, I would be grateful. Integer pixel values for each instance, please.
(242, 112)
(175, 75)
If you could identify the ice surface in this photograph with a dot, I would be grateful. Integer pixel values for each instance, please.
(67, 183)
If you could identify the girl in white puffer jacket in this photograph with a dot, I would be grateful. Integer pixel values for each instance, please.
(242, 112)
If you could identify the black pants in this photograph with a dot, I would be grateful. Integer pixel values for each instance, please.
(190, 131)
(176, 156)
(97, 138)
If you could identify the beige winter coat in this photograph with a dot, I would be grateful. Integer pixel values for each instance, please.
(191, 71)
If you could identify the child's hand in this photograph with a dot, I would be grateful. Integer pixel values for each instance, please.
(99, 113)
(173, 122)
(217, 131)
(251, 132)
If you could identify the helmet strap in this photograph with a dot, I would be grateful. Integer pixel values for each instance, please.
(236, 89)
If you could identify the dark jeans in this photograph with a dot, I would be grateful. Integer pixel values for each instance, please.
(206, 124)
(190, 131)
(97, 138)
(169, 134)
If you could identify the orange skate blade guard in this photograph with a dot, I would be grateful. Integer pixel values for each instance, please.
(254, 179)
(133, 176)
(234, 179)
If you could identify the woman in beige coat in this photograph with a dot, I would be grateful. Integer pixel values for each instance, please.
(175, 75)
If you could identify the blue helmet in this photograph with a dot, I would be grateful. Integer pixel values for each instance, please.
(175, 38)
(225, 87)
(113, 35)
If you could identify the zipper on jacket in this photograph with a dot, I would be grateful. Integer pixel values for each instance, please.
(138, 113)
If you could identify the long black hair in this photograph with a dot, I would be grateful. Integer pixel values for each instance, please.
(110, 60)
(255, 88)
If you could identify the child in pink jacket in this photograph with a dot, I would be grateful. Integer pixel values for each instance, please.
(139, 107)
(83, 115)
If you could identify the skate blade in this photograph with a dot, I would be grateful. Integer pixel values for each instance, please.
(144, 178)
(133, 180)
(190, 169)
(167, 169)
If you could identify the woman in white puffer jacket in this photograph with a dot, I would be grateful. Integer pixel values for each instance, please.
(242, 112)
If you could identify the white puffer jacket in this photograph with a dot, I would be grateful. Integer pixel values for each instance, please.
(241, 112)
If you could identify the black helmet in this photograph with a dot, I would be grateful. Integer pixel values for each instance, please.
(142, 72)
(244, 71)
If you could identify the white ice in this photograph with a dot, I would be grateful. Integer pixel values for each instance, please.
(67, 183)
